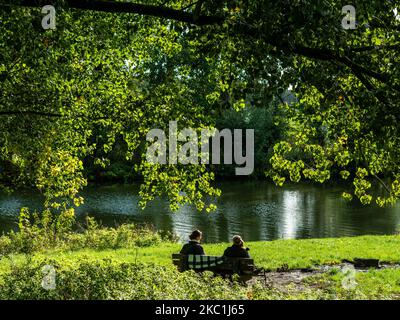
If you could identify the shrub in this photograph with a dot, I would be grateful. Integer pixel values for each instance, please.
(33, 238)
(124, 236)
(105, 279)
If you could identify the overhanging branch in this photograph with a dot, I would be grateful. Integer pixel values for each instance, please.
(197, 19)
(30, 113)
(45, 114)
(127, 7)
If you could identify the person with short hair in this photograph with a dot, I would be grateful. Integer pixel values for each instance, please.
(193, 246)
(237, 250)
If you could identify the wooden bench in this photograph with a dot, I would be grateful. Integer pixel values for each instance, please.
(244, 267)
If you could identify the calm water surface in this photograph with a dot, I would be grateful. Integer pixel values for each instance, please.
(256, 210)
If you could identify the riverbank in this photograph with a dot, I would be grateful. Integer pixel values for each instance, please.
(281, 255)
(271, 255)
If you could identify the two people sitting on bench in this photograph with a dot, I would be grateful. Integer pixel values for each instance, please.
(237, 250)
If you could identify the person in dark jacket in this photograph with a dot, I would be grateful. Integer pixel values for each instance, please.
(237, 250)
(193, 246)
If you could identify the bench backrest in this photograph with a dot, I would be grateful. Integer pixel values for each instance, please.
(237, 265)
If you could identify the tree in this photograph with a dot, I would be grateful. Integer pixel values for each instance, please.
(189, 61)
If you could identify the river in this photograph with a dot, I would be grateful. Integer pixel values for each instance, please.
(255, 210)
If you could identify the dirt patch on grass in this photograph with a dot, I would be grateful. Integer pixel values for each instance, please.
(295, 278)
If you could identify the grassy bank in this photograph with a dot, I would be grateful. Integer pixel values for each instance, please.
(271, 255)
(154, 264)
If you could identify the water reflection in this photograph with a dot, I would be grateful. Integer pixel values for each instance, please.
(257, 211)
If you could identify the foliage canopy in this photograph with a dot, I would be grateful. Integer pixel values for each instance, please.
(123, 74)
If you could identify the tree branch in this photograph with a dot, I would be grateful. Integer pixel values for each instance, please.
(382, 183)
(43, 114)
(30, 113)
(375, 48)
(197, 10)
(308, 52)
(324, 54)
(127, 7)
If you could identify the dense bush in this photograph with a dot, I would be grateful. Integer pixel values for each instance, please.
(104, 279)
(123, 236)
(35, 238)
(109, 280)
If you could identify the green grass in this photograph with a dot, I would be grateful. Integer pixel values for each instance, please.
(371, 284)
(293, 254)
(270, 255)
